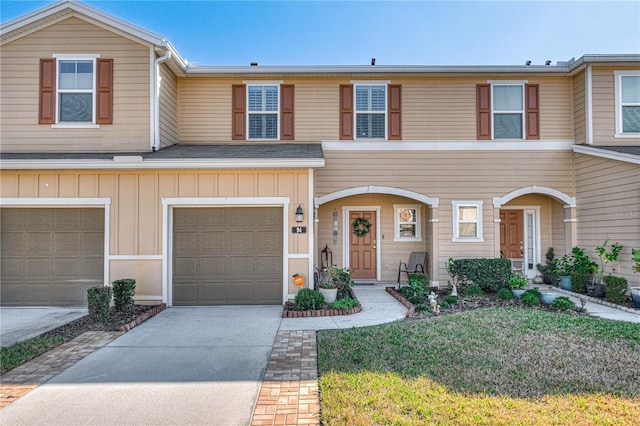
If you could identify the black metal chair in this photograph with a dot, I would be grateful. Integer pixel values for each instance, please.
(417, 264)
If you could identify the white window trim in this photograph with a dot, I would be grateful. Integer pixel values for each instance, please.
(618, 100)
(277, 112)
(494, 111)
(75, 57)
(397, 223)
(384, 84)
(456, 221)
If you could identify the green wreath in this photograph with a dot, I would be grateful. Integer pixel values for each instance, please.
(361, 226)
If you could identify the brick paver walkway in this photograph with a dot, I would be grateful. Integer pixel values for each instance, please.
(289, 392)
(23, 379)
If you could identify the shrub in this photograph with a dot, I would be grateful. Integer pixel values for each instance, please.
(505, 294)
(345, 304)
(123, 291)
(562, 303)
(98, 301)
(529, 299)
(535, 292)
(615, 289)
(490, 274)
(517, 281)
(419, 287)
(579, 281)
(451, 300)
(423, 279)
(549, 271)
(473, 290)
(307, 299)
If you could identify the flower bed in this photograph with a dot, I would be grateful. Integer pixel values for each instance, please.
(290, 310)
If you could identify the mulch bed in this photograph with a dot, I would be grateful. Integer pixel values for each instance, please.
(291, 310)
(116, 321)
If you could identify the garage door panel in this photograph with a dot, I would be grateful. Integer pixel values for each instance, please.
(186, 293)
(53, 256)
(235, 249)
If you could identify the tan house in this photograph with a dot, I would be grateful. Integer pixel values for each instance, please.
(215, 185)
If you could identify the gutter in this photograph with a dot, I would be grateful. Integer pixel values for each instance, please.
(156, 98)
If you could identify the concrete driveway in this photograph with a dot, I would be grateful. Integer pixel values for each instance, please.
(191, 365)
(21, 323)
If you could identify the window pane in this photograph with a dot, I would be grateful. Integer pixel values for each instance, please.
(507, 126)
(271, 98)
(263, 126)
(468, 213)
(507, 98)
(362, 98)
(631, 119)
(370, 98)
(407, 231)
(370, 126)
(378, 98)
(76, 75)
(407, 215)
(76, 107)
(631, 89)
(468, 230)
(255, 98)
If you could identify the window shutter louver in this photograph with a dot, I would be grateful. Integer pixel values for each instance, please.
(286, 112)
(483, 103)
(346, 112)
(104, 91)
(532, 111)
(394, 111)
(238, 101)
(47, 107)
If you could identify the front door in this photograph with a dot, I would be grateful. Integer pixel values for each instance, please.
(362, 248)
(512, 234)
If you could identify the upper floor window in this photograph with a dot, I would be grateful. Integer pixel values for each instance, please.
(467, 221)
(76, 85)
(407, 222)
(627, 103)
(263, 112)
(371, 111)
(507, 110)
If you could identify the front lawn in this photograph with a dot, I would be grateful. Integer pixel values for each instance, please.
(488, 366)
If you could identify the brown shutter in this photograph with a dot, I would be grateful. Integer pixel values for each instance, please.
(286, 112)
(47, 108)
(239, 120)
(346, 112)
(532, 111)
(104, 91)
(395, 108)
(483, 103)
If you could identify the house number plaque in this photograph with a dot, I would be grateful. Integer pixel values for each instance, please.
(299, 230)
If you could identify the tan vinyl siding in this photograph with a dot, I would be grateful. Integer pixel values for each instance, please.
(608, 196)
(603, 95)
(19, 62)
(579, 107)
(168, 107)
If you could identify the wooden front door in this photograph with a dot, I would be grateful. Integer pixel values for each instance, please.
(512, 233)
(362, 249)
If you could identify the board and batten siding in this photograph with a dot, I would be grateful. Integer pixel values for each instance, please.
(608, 198)
(19, 67)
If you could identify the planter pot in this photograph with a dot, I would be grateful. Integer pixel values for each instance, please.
(329, 294)
(635, 296)
(548, 298)
(595, 290)
(565, 282)
(517, 292)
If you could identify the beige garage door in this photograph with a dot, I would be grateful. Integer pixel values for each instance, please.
(227, 255)
(50, 256)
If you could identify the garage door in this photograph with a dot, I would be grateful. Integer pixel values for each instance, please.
(227, 255)
(50, 256)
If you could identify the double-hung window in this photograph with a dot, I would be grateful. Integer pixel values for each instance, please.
(263, 102)
(371, 111)
(467, 221)
(627, 103)
(508, 111)
(76, 90)
(407, 222)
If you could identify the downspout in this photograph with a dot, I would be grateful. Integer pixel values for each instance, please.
(156, 100)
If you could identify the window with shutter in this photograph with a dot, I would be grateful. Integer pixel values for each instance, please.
(263, 108)
(371, 111)
(507, 110)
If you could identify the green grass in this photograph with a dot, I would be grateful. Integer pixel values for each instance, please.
(21, 352)
(489, 366)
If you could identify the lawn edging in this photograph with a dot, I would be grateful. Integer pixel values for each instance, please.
(142, 318)
(410, 306)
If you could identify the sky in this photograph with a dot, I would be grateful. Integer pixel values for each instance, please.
(394, 32)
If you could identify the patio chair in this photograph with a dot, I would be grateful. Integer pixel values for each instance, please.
(417, 264)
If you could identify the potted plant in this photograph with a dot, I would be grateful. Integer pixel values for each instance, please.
(583, 268)
(338, 284)
(548, 297)
(517, 283)
(565, 268)
(549, 270)
(635, 291)
(606, 256)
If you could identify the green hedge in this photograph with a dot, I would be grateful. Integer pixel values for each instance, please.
(99, 298)
(490, 274)
(615, 289)
(123, 291)
(579, 282)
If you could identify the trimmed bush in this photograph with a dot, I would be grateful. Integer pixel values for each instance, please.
(123, 291)
(505, 294)
(529, 299)
(615, 289)
(98, 301)
(579, 281)
(473, 290)
(307, 299)
(490, 274)
(563, 303)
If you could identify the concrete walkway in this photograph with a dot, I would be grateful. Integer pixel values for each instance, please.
(21, 323)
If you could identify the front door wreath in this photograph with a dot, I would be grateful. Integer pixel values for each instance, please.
(361, 226)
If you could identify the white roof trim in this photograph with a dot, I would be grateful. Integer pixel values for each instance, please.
(516, 145)
(373, 189)
(558, 195)
(611, 155)
(137, 163)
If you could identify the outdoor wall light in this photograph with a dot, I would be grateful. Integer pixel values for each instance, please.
(299, 214)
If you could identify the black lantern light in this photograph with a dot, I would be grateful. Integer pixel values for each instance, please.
(299, 214)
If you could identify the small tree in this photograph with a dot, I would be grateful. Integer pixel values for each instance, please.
(607, 257)
(549, 270)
